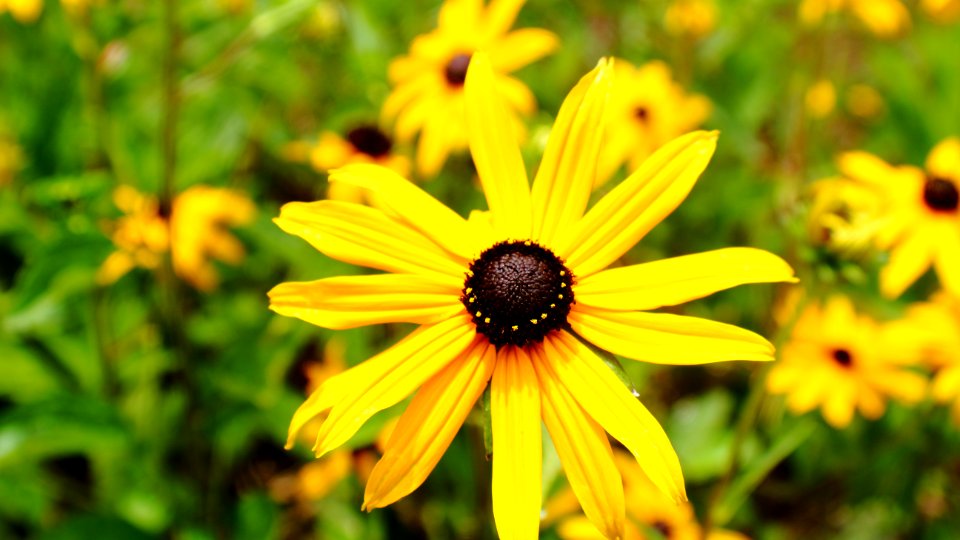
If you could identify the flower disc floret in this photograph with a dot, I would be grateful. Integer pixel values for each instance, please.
(518, 292)
(456, 70)
(370, 140)
(940, 194)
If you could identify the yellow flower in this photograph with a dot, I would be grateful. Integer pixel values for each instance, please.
(200, 215)
(943, 11)
(428, 83)
(647, 109)
(25, 11)
(936, 326)
(885, 18)
(821, 98)
(142, 235)
(864, 101)
(194, 229)
(841, 361)
(845, 215)
(363, 144)
(922, 224)
(503, 300)
(694, 18)
(650, 515)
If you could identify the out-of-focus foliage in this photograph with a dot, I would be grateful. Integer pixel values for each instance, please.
(155, 404)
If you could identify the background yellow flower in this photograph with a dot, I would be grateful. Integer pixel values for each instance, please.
(647, 109)
(428, 82)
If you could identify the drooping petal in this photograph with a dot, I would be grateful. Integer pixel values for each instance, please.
(521, 47)
(623, 216)
(361, 235)
(517, 445)
(908, 261)
(337, 387)
(585, 454)
(416, 361)
(496, 154)
(610, 404)
(427, 427)
(565, 178)
(673, 281)
(435, 142)
(664, 338)
(352, 301)
(411, 204)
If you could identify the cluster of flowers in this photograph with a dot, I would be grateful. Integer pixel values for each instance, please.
(843, 361)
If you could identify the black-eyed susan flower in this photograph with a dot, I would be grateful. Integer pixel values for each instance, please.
(841, 362)
(362, 144)
(647, 110)
(650, 516)
(921, 219)
(885, 18)
(428, 82)
(512, 301)
(193, 232)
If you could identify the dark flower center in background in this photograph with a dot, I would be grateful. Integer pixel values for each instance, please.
(370, 140)
(518, 292)
(642, 114)
(940, 195)
(456, 71)
(842, 357)
(662, 527)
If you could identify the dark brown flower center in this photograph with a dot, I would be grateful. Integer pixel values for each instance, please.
(370, 140)
(517, 292)
(662, 527)
(940, 194)
(842, 356)
(456, 71)
(642, 114)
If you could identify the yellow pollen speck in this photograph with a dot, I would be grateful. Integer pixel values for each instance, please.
(514, 327)
(469, 290)
(487, 320)
(560, 296)
(469, 273)
(533, 321)
(527, 243)
(472, 299)
(562, 285)
(543, 315)
(563, 272)
(478, 314)
(552, 306)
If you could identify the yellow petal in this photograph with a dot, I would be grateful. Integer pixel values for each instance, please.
(493, 144)
(352, 301)
(565, 179)
(406, 201)
(427, 427)
(864, 167)
(673, 281)
(436, 142)
(610, 404)
(361, 235)
(517, 450)
(585, 454)
(623, 216)
(416, 361)
(500, 16)
(336, 388)
(521, 47)
(947, 259)
(664, 338)
(907, 263)
(944, 159)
